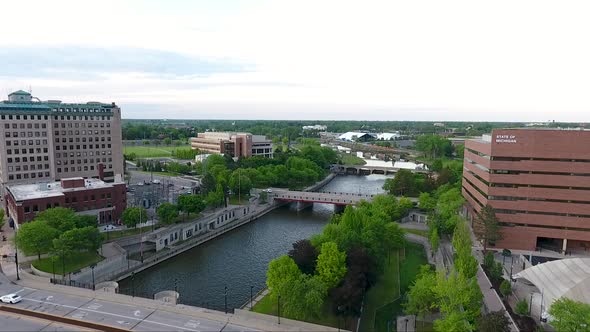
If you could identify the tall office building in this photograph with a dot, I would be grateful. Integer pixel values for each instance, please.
(45, 141)
(538, 183)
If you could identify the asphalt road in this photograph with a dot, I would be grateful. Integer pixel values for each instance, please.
(102, 312)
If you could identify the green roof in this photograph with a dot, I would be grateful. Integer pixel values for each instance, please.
(19, 92)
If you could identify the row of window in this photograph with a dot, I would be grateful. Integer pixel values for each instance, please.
(35, 208)
(80, 161)
(24, 151)
(71, 132)
(27, 167)
(28, 125)
(27, 159)
(24, 142)
(77, 139)
(25, 134)
(79, 169)
(84, 146)
(513, 172)
(74, 117)
(535, 199)
(86, 198)
(82, 125)
(26, 176)
(24, 117)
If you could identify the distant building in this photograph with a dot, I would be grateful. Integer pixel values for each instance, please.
(388, 136)
(94, 197)
(438, 124)
(316, 127)
(233, 144)
(43, 141)
(353, 136)
(537, 181)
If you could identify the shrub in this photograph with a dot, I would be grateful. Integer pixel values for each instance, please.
(505, 288)
(488, 261)
(522, 307)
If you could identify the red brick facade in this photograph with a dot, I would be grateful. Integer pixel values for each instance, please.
(537, 181)
(106, 202)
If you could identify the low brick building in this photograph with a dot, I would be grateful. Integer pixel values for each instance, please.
(85, 196)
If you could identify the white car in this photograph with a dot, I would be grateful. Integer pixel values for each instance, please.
(268, 190)
(140, 183)
(156, 181)
(11, 298)
(109, 228)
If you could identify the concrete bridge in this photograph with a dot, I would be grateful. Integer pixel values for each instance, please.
(320, 197)
(367, 170)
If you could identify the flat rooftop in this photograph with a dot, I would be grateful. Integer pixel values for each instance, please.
(23, 192)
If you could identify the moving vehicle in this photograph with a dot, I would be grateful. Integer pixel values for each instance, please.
(268, 190)
(11, 298)
(109, 228)
(156, 181)
(140, 183)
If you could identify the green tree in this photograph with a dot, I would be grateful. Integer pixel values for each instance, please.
(240, 183)
(281, 273)
(495, 321)
(403, 184)
(421, 296)
(458, 294)
(35, 237)
(437, 165)
(133, 216)
(86, 238)
(303, 297)
(167, 212)
(486, 226)
(395, 237)
(263, 196)
(505, 288)
(1, 218)
(85, 221)
(522, 307)
(570, 315)
(190, 204)
(434, 240)
(454, 321)
(216, 198)
(331, 264)
(60, 218)
(167, 141)
(426, 202)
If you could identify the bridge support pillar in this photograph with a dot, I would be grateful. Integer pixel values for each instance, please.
(339, 208)
(303, 205)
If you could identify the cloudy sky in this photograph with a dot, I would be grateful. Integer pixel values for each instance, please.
(305, 59)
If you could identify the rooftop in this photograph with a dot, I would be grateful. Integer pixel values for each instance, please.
(23, 192)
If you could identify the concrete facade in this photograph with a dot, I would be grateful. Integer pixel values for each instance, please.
(537, 181)
(233, 144)
(45, 141)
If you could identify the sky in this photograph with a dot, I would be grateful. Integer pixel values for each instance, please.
(305, 59)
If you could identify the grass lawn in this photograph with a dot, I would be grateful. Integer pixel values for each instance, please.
(127, 232)
(408, 269)
(162, 173)
(152, 151)
(349, 159)
(417, 232)
(73, 263)
(385, 291)
(327, 317)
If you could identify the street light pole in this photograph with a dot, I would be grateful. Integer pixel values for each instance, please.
(93, 282)
(279, 308)
(531, 304)
(53, 266)
(225, 296)
(541, 311)
(133, 284)
(16, 261)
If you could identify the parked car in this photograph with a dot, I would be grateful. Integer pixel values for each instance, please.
(140, 183)
(11, 298)
(156, 181)
(109, 228)
(268, 190)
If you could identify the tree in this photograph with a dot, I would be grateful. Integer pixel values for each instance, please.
(35, 237)
(522, 307)
(488, 261)
(263, 196)
(457, 293)
(421, 296)
(331, 264)
(495, 321)
(133, 215)
(86, 238)
(216, 198)
(167, 141)
(167, 212)
(240, 183)
(207, 183)
(437, 165)
(85, 221)
(486, 226)
(282, 270)
(303, 297)
(59, 218)
(305, 255)
(434, 240)
(1, 218)
(505, 288)
(426, 202)
(570, 316)
(402, 184)
(454, 321)
(190, 204)
(395, 237)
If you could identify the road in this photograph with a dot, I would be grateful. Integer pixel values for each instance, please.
(17, 323)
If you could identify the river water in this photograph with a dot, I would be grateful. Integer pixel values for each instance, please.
(239, 259)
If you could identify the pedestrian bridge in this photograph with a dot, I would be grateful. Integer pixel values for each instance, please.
(336, 198)
(368, 170)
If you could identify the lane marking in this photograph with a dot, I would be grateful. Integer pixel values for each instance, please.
(111, 314)
(137, 313)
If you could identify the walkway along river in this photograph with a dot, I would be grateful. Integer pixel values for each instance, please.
(239, 259)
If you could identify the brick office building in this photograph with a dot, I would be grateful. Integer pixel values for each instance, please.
(537, 181)
(233, 144)
(85, 196)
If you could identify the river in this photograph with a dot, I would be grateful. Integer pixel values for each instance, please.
(239, 259)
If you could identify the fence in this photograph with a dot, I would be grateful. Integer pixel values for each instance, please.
(69, 282)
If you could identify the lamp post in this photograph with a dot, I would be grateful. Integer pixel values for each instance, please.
(225, 297)
(531, 304)
(541, 311)
(251, 290)
(406, 325)
(53, 266)
(16, 261)
(133, 284)
(93, 282)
